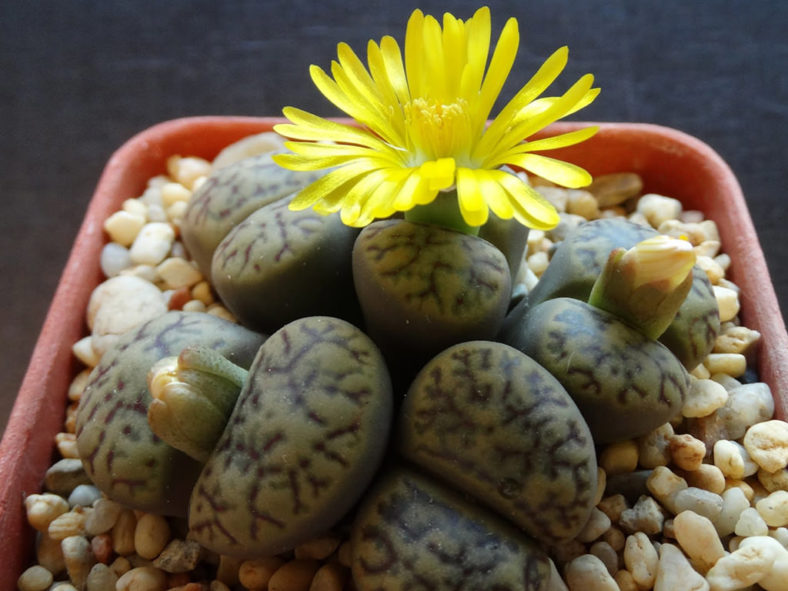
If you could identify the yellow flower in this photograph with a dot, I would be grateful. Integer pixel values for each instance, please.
(423, 127)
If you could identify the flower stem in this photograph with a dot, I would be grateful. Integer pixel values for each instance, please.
(443, 211)
(193, 396)
(646, 285)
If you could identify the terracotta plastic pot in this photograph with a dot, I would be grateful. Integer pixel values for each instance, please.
(670, 162)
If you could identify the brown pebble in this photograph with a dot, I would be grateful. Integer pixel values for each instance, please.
(101, 545)
(178, 298)
(612, 189)
(295, 575)
(329, 577)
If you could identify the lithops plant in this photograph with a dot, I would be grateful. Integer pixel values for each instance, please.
(303, 441)
(624, 381)
(580, 258)
(413, 533)
(488, 420)
(228, 196)
(120, 453)
(278, 265)
(423, 288)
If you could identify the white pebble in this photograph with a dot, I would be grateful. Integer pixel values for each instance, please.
(84, 351)
(752, 562)
(187, 170)
(700, 501)
(43, 509)
(734, 502)
(767, 444)
(135, 206)
(124, 227)
(588, 573)
(703, 398)
(641, 559)
(172, 193)
(597, 524)
(674, 572)
(732, 458)
(727, 302)
(658, 208)
(114, 258)
(664, 484)
(152, 244)
(751, 524)
(84, 495)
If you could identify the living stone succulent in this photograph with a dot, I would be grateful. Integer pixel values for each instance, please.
(228, 196)
(119, 451)
(580, 258)
(412, 532)
(486, 419)
(278, 265)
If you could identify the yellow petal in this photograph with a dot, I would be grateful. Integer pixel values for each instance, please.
(325, 185)
(500, 66)
(478, 48)
(439, 174)
(557, 141)
(473, 207)
(557, 171)
(306, 126)
(392, 58)
(530, 208)
(494, 194)
(414, 55)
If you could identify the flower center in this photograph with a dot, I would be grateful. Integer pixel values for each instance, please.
(438, 130)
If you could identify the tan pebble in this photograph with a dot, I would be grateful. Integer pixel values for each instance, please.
(710, 248)
(732, 364)
(123, 227)
(78, 558)
(227, 571)
(143, 578)
(178, 298)
(182, 580)
(68, 524)
(70, 424)
(221, 312)
(557, 196)
(774, 508)
(727, 302)
(597, 524)
(187, 169)
(613, 189)
(77, 385)
(704, 397)
(613, 506)
(317, 548)
(712, 268)
(103, 517)
(345, 554)
(101, 578)
(767, 444)
(120, 565)
(641, 559)
(674, 572)
(252, 145)
(607, 554)
(654, 448)
(687, 451)
(588, 573)
(624, 580)
(35, 578)
(330, 577)
(182, 556)
(663, 483)
(700, 372)
(295, 575)
(123, 532)
(601, 484)
(151, 535)
(177, 273)
(723, 260)
(202, 292)
(172, 193)
(773, 481)
(152, 244)
(67, 445)
(254, 575)
(194, 306)
(49, 553)
(732, 458)
(42, 509)
(645, 516)
(582, 203)
(737, 339)
(615, 538)
(698, 537)
(706, 476)
(619, 457)
(217, 586)
(135, 206)
(84, 351)
(538, 262)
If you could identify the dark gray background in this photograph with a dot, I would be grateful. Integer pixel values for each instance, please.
(78, 78)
